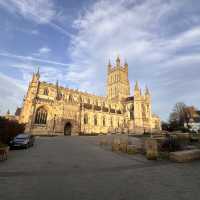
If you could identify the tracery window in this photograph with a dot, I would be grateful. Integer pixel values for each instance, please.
(143, 111)
(59, 96)
(104, 121)
(46, 91)
(41, 116)
(80, 99)
(70, 98)
(95, 120)
(85, 119)
(111, 122)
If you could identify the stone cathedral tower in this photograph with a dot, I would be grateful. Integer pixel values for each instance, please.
(118, 86)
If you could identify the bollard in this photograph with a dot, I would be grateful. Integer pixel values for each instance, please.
(116, 144)
(151, 148)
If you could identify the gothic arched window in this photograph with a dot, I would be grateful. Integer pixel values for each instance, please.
(111, 122)
(95, 120)
(80, 99)
(104, 121)
(85, 119)
(41, 116)
(46, 91)
(143, 111)
(70, 98)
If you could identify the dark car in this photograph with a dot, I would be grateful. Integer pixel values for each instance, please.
(22, 141)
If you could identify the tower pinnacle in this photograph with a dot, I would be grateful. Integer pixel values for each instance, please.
(109, 65)
(38, 73)
(118, 61)
(137, 86)
(147, 91)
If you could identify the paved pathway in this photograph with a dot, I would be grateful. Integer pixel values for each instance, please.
(77, 168)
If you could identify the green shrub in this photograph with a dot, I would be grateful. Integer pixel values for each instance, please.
(163, 155)
(9, 129)
(131, 151)
(3, 145)
(172, 143)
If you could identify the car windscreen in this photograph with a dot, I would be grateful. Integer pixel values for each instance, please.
(21, 137)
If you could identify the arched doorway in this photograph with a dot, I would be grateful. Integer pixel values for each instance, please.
(68, 129)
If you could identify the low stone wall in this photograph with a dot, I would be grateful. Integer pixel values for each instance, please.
(123, 143)
(132, 145)
(151, 149)
(137, 143)
(185, 156)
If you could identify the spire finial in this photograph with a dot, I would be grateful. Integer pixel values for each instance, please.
(109, 66)
(109, 63)
(147, 91)
(38, 73)
(8, 112)
(126, 63)
(137, 86)
(38, 70)
(118, 61)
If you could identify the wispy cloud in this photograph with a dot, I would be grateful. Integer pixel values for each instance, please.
(44, 50)
(32, 32)
(39, 11)
(30, 58)
(12, 94)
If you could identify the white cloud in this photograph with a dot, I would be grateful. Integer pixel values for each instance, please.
(12, 94)
(44, 50)
(39, 11)
(145, 34)
(30, 58)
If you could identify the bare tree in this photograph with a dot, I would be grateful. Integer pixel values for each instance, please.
(189, 113)
(181, 114)
(178, 114)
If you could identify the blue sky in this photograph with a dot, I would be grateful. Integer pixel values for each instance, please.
(72, 41)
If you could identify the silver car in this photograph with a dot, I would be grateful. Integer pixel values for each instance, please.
(22, 141)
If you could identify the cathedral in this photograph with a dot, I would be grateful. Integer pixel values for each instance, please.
(50, 109)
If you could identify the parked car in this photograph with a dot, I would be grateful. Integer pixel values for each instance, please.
(22, 141)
